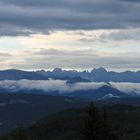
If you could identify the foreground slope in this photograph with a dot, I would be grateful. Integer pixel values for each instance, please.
(67, 125)
(25, 109)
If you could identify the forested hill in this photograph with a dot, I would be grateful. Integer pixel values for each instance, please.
(123, 124)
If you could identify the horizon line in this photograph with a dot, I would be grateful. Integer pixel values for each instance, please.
(120, 70)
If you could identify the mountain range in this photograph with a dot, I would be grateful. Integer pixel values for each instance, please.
(102, 93)
(96, 75)
(13, 74)
(26, 97)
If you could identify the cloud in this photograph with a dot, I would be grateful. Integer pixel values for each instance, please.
(47, 86)
(127, 87)
(70, 53)
(131, 1)
(75, 59)
(104, 36)
(120, 35)
(70, 59)
(62, 86)
(33, 16)
(5, 54)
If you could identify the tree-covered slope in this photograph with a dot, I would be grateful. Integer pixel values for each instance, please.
(67, 125)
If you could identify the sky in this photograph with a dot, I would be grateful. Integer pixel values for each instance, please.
(71, 34)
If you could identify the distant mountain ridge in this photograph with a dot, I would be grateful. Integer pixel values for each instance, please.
(13, 74)
(96, 75)
(102, 93)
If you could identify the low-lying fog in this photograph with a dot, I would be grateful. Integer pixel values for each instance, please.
(63, 87)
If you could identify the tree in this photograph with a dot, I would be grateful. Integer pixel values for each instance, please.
(97, 126)
(18, 134)
(107, 132)
(92, 126)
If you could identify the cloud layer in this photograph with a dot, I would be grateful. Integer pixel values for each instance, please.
(33, 16)
(79, 34)
(75, 59)
(63, 87)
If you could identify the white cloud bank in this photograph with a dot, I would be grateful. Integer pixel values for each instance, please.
(62, 86)
(48, 85)
(127, 87)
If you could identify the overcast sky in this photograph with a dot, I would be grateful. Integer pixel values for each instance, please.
(72, 34)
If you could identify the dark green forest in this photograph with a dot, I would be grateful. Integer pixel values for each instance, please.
(118, 122)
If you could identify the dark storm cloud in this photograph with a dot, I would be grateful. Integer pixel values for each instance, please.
(41, 16)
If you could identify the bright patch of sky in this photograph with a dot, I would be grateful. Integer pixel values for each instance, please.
(71, 50)
(69, 40)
